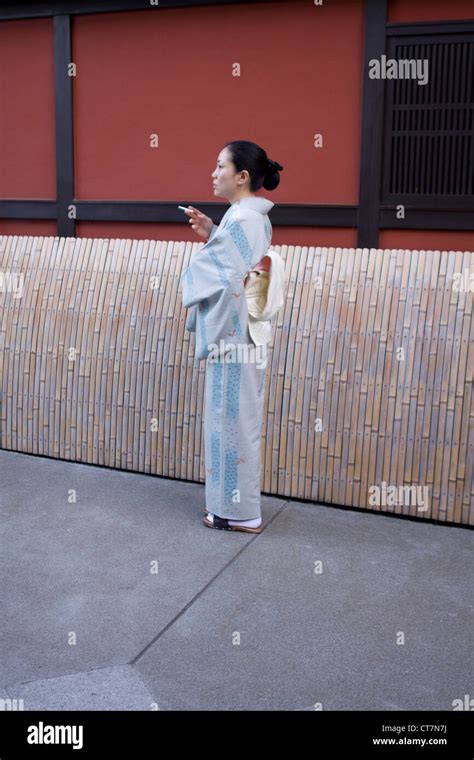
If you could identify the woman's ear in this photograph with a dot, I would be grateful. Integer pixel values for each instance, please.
(245, 176)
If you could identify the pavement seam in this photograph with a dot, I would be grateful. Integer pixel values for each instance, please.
(204, 588)
(12, 686)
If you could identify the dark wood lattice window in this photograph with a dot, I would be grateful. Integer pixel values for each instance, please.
(429, 128)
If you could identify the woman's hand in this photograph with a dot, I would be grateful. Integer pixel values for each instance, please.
(200, 223)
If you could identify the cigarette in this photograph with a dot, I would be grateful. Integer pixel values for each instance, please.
(184, 208)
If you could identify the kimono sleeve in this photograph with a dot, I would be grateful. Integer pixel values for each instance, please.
(222, 261)
(192, 310)
(213, 284)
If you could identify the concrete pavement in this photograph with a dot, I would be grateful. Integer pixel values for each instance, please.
(124, 600)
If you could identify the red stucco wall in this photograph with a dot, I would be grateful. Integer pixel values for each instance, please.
(170, 73)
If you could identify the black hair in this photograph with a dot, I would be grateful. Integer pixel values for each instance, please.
(250, 156)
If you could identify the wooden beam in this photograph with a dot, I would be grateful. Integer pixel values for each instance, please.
(64, 124)
(372, 126)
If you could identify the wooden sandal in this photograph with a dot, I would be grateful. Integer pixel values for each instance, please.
(220, 523)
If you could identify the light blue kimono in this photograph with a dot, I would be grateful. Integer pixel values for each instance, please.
(213, 291)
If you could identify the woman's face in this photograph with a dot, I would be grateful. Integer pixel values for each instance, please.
(226, 182)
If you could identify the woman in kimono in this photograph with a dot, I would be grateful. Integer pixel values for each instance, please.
(213, 290)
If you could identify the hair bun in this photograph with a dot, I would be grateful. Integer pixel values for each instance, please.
(274, 165)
